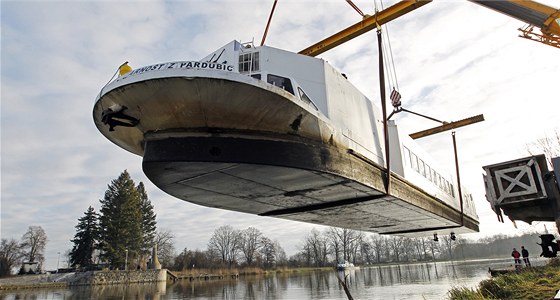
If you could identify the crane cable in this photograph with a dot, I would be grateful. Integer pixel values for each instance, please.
(268, 23)
(389, 59)
(387, 50)
(356, 8)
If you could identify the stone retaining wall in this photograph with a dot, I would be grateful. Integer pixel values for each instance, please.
(120, 277)
(83, 278)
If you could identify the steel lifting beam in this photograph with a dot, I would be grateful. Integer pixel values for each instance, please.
(447, 126)
(365, 25)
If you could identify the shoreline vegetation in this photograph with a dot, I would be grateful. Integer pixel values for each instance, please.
(248, 271)
(528, 283)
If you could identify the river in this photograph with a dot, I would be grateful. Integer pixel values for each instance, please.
(410, 281)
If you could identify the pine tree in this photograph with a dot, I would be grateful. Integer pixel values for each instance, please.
(85, 239)
(148, 220)
(121, 222)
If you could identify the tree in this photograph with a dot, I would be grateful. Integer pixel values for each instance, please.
(189, 259)
(121, 222)
(268, 251)
(377, 243)
(225, 243)
(318, 246)
(280, 254)
(181, 261)
(11, 254)
(345, 240)
(448, 245)
(434, 248)
(395, 244)
(85, 239)
(166, 247)
(250, 244)
(34, 242)
(366, 250)
(549, 145)
(148, 221)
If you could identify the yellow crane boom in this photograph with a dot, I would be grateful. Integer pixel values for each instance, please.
(365, 25)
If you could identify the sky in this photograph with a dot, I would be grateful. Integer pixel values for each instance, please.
(452, 59)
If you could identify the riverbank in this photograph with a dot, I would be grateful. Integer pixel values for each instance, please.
(134, 276)
(528, 283)
(82, 278)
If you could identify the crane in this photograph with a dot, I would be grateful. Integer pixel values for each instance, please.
(537, 15)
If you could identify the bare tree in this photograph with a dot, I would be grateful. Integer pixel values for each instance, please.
(250, 244)
(433, 246)
(377, 242)
(225, 242)
(357, 246)
(268, 251)
(408, 249)
(448, 245)
(421, 247)
(306, 254)
(10, 255)
(346, 239)
(334, 244)
(366, 249)
(318, 247)
(549, 145)
(395, 244)
(280, 254)
(166, 246)
(34, 242)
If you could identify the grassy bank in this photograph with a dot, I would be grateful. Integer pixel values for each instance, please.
(530, 283)
(246, 271)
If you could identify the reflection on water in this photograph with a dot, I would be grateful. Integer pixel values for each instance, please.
(412, 281)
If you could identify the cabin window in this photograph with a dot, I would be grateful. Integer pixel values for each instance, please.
(256, 76)
(303, 96)
(249, 62)
(281, 82)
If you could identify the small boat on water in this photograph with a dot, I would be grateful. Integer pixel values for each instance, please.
(270, 132)
(346, 266)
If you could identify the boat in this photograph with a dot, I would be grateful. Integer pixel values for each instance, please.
(270, 132)
(343, 266)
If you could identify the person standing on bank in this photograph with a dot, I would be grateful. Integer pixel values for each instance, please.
(525, 255)
(516, 257)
